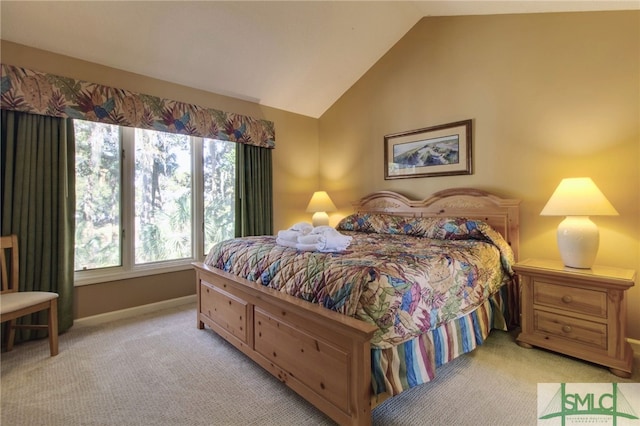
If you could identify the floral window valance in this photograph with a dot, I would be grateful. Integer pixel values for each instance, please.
(46, 94)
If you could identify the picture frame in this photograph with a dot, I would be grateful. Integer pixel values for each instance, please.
(443, 150)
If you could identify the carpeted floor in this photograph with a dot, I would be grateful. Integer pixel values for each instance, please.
(159, 369)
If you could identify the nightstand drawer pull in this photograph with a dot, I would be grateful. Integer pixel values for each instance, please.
(566, 328)
(567, 299)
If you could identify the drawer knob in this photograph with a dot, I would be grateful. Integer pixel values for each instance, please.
(567, 299)
(566, 328)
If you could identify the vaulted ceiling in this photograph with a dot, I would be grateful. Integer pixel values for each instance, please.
(299, 56)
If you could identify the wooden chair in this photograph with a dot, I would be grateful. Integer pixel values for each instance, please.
(15, 304)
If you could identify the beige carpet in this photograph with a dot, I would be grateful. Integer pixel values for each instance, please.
(159, 369)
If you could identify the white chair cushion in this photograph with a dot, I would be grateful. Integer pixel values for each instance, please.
(11, 302)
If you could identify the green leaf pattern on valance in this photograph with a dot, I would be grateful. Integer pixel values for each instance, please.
(46, 94)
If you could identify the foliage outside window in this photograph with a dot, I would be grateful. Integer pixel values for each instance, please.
(148, 198)
(98, 224)
(163, 225)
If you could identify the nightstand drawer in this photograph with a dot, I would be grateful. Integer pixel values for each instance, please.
(584, 332)
(588, 302)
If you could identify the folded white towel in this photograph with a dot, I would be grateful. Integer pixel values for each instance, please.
(286, 243)
(289, 235)
(305, 237)
(324, 229)
(339, 243)
(311, 239)
(331, 240)
(303, 227)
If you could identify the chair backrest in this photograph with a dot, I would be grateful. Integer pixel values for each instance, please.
(9, 245)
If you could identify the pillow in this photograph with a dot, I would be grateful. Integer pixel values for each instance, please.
(379, 223)
(456, 228)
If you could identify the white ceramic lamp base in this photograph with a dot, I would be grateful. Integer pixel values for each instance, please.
(578, 240)
(320, 219)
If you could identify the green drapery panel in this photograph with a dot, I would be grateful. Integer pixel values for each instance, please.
(254, 191)
(38, 205)
(47, 94)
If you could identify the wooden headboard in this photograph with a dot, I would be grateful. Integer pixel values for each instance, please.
(501, 213)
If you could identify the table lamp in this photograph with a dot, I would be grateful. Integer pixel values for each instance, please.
(578, 237)
(319, 205)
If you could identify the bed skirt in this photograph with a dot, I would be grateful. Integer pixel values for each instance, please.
(414, 362)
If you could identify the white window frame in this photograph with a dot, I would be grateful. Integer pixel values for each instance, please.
(129, 269)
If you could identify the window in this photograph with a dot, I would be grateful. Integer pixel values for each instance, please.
(148, 200)
(163, 182)
(98, 195)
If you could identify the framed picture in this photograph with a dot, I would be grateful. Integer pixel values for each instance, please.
(443, 150)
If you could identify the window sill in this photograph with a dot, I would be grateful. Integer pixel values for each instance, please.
(82, 278)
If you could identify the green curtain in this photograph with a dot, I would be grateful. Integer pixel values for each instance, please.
(38, 205)
(254, 191)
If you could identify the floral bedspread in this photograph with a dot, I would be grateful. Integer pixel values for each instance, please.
(405, 275)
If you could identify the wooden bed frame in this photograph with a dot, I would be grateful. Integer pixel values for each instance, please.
(322, 355)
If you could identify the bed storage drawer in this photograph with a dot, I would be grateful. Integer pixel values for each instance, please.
(228, 311)
(320, 365)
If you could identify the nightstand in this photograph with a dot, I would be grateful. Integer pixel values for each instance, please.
(578, 312)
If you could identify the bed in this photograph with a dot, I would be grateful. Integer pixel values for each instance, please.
(352, 328)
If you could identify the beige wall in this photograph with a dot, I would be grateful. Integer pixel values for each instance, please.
(295, 167)
(550, 95)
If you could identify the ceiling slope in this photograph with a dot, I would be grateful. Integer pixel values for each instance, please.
(298, 56)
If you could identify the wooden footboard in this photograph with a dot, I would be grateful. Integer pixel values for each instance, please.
(322, 355)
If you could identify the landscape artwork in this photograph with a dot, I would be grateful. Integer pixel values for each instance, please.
(441, 150)
(429, 152)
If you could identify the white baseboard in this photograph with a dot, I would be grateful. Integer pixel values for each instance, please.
(132, 312)
(635, 345)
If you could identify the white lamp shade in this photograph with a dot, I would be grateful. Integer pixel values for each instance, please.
(578, 237)
(578, 197)
(319, 204)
